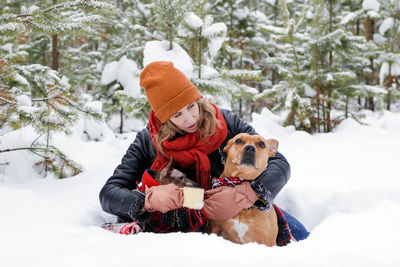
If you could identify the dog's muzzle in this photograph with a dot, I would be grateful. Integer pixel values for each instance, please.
(249, 156)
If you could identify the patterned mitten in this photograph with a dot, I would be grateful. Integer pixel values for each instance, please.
(123, 228)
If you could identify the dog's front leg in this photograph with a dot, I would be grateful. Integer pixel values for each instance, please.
(214, 227)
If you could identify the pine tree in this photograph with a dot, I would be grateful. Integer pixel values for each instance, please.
(168, 16)
(241, 52)
(203, 39)
(126, 33)
(361, 17)
(318, 66)
(291, 91)
(390, 59)
(35, 94)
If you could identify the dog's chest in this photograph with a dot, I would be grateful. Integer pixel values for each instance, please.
(243, 222)
(241, 228)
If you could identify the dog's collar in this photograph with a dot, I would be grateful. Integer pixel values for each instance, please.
(226, 181)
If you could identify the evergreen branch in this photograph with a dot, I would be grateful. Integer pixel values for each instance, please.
(6, 100)
(49, 160)
(81, 3)
(95, 115)
(27, 18)
(23, 148)
(68, 102)
(284, 10)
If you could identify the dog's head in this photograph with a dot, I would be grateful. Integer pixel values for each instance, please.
(247, 155)
(171, 175)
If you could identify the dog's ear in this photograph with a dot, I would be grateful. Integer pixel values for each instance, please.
(272, 147)
(228, 145)
(171, 163)
(166, 171)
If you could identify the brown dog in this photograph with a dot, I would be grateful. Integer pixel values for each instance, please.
(247, 157)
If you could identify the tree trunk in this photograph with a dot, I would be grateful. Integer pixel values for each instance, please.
(240, 107)
(359, 98)
(318, 89)
(369, 27)
(388, 86)
(329, 95)
(121, 125)
(358, 27)
(170, 26)
(55, 53)
(231, 37)
(118, 3)
(201, 40)
(55, 49)
(370, 100)
(273, 54)
(324, 111)
(328, 113)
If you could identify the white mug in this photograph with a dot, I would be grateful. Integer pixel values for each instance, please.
(193, 197)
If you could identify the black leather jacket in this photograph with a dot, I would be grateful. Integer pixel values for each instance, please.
(117, 197)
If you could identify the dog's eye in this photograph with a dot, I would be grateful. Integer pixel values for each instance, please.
(238, 141)
(261, 144)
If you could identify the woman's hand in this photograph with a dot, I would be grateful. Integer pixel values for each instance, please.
(225, 202)
(163, 198)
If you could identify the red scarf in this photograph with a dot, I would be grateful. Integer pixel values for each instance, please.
(189, 150)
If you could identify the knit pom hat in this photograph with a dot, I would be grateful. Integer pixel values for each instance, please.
(167, 89)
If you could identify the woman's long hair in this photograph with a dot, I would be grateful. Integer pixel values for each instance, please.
(207, 124)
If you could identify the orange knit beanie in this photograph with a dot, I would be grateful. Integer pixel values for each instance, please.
(167, 89)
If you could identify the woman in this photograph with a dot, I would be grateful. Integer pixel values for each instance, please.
(194, 131)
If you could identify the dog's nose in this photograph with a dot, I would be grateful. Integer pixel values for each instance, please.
(250, 148)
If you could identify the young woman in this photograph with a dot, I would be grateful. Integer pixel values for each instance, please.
(194, 131)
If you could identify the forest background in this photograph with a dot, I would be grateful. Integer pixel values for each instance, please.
(314, 62)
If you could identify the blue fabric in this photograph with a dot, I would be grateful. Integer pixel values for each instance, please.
(297, 229)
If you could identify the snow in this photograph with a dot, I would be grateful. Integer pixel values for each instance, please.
(216, 35)
(344, 187)
(193, 21)
(208, 72)
(384, 71)
(271, 2)
(386, 25)
(260, 17)
(379, 39)
(7, 47)
(214, 30)
(242, 13)
(20, 79)
(215, 44)
(109, 73)
(125, 72)
(275, 30)
(371, 5)
(350, 17)
(159, 51)
(23, 100)
(94, 129)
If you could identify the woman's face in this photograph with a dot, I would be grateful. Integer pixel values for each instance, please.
(187, 118)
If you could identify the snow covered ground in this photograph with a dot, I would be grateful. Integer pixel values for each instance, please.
(345, 187)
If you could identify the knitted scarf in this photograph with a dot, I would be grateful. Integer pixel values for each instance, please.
(189, 150)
